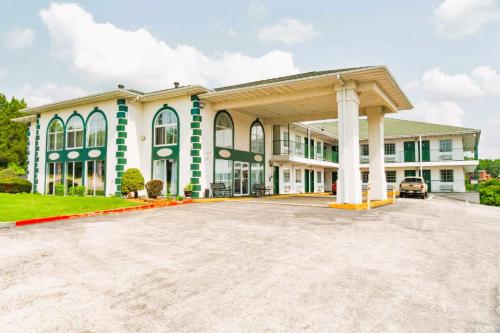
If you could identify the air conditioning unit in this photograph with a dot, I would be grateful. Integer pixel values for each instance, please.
(390, 159)
(365, 159)
(446, 157)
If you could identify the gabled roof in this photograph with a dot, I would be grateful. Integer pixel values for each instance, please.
(394, 128)
(290, 77)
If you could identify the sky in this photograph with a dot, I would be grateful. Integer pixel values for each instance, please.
(445, 54)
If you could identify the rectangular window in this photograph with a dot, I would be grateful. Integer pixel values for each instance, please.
(74, 171)
(390, 148)
(298, 176)
(445, 146)
(365, 151)
(390, 176)
(224, 172)
(96, 177)
(365, 176)
(410, 173)
(319, 175)
(446, 176)
(298, 145)
(54, 176)
(256, 175)
(286, 175)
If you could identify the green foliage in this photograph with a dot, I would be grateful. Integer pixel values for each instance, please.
(179, 198)
(78, 191)
(491, 166)
(14, 207)
(188, 187)
(132, 181)
(154, 188)
(489, 192)
(20, 171)
(14, 185)
(59, 189)
(13, 138)
(8, 173)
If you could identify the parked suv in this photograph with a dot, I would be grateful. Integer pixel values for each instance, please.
(413, 186)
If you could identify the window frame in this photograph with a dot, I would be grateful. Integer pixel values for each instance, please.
(362, 149)
(166, 127)
(55, 134)
(75, 131)
(254, 138)
(446, 176)
(298, 180)
(391, 172)
(389, 144)
(217, 116)
(89, 130)
(446, 146)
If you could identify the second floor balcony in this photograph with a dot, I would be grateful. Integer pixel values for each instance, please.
(300, 149)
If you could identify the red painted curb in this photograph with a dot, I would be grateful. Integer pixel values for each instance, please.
(100, 212)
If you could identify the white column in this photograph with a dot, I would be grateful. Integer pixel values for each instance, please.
(349, 176)
(376, 147)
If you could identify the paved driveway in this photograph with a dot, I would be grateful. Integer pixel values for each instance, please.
(420, 266)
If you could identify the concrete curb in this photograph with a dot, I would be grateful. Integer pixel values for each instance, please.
(161, 204)
(7, 224)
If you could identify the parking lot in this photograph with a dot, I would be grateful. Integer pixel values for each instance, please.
(419, 265)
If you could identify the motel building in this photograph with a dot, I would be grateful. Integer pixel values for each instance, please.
(293, 134)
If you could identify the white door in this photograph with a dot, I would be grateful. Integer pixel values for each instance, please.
(241, 173)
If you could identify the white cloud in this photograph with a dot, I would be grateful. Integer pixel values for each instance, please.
(104, 52)
(488, 79)
(447, 113)
(48, 93)
(457, 18)
(288, 31)
(450, 86)
(19, 38)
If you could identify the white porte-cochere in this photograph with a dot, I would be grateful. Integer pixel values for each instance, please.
(349, 181)
(376, 143)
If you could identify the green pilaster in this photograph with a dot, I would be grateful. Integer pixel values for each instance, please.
(28, 132)
(121, 145)
(196, 146)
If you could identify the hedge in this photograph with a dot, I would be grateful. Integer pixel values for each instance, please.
(15, 185)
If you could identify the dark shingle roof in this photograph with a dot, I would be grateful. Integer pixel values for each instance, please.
(289, 77)
(398, 128)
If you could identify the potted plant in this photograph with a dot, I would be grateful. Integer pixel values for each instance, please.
(188, 190)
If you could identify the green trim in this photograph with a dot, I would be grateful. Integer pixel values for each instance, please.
(196, 145)
(197, 160)
(83, 152)
(173, 147)
(196, 173)
(122, 121)
(195, 152)
(257, 122)
(196, 131)
(121, 135)
(120, 154)
(215, 145)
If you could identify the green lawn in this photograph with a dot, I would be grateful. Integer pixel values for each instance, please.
(14, 207)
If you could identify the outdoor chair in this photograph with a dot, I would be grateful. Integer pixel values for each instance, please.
(220, 190)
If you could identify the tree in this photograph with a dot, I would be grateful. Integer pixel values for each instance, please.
(13, 138)
(491, 166)
(489, 192)
(132, 181)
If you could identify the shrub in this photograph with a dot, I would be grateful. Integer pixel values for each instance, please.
(489, 192)
(19, 171)
(179, 198)
(59, 189)
(78, 191)
(154, 188)
(15, 185)
(132, 181)
(8, 173)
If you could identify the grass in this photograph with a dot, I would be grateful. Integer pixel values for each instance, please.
(15, 207)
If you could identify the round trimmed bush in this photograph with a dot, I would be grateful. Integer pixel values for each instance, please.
(154, 188)
(8, 173)
(15, 185)
(132, 181)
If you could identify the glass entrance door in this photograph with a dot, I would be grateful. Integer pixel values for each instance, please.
(166, 171)
(241, 173)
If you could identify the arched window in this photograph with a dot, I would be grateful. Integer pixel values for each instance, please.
(74, 132)
(55, 135)
(165, 128)
(257, 138)
(223, 130)
(96, 130)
